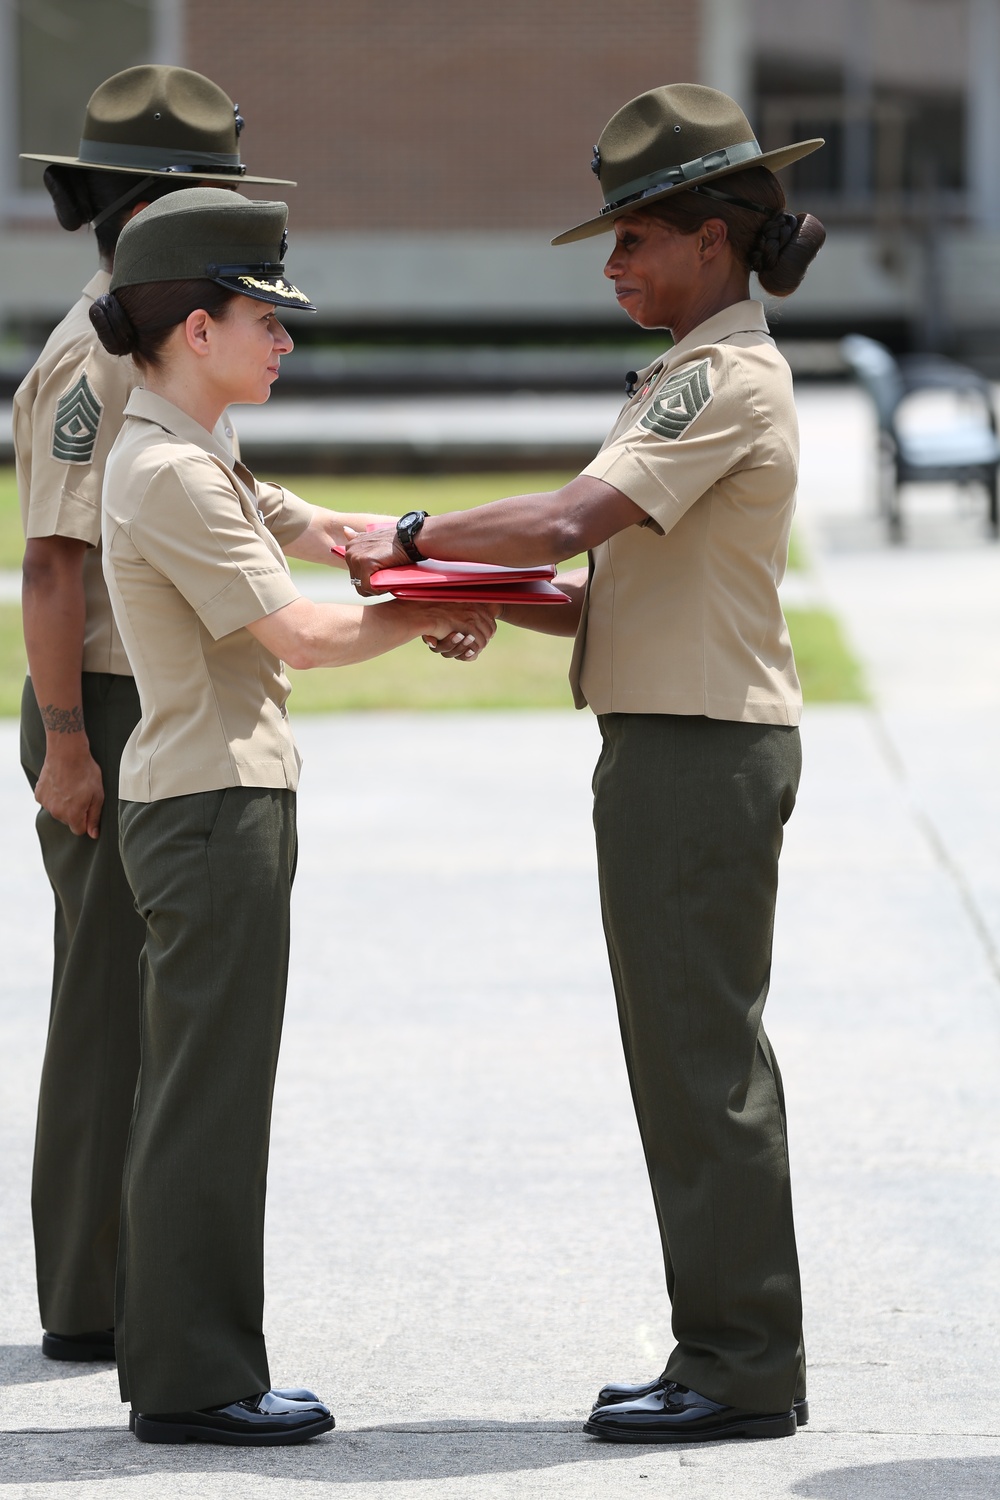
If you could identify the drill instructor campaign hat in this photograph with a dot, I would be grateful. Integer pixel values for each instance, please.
(209, 234)
(161, 121)
(670, 139)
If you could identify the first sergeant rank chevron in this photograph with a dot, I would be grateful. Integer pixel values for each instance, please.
(78, 417)
(678, 401)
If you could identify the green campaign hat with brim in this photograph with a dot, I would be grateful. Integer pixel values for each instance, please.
(209, 234)
(671, 139)
(157, 119)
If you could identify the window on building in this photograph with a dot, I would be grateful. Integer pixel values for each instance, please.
(892, 142)
(886, 82)
(54, 53)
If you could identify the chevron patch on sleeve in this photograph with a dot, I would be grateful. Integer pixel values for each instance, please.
(678, 401)
(78, 417)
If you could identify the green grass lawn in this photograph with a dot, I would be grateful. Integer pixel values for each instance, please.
(798, 561)
(828, 670)
(390, 495)
(519, 670)
(11, 534)
(12, 665)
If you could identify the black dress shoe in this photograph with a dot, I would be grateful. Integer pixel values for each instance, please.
(297, 1393)
(608, 1395)
(267, 1420)
(80, 1346)
(673, 1414)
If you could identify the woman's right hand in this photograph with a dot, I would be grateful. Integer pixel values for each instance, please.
(457, 631)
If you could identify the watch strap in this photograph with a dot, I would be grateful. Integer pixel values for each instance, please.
(407, 528)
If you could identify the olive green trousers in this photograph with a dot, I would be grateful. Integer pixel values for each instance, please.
(92, 1048)
(212, 876)
(689, 814)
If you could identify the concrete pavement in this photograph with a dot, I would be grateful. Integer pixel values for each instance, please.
(461, 1246)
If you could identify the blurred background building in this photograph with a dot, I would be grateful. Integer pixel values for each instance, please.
(438, 146)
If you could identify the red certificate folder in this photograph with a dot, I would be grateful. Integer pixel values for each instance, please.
(530, 591)
(466, 582)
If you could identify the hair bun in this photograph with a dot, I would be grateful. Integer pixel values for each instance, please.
(777, 232)
(114, 326)
(784, 249)
(68, 190)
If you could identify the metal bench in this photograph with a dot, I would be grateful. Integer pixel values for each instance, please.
(964, 450)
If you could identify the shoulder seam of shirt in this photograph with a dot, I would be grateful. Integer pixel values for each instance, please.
(221, 550)
(165, 467)
(751, 386)
(748, 445)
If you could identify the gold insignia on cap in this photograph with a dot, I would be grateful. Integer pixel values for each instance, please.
(279, 286)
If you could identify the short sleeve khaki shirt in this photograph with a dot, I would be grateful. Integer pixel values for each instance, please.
(67, 413)
(682, 613)
(192, 554)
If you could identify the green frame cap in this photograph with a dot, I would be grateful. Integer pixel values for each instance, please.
(210, 234)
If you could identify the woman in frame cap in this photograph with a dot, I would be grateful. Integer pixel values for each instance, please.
(209, 613)
(207, 234)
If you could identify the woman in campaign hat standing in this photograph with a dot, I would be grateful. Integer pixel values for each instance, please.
(147, 132)
(194, 560)
(683, 653)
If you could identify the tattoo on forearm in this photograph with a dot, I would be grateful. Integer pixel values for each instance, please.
(62, 720)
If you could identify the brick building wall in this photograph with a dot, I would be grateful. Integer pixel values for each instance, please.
(434, 115)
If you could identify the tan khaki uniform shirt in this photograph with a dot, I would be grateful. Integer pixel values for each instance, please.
(68, 411)
(192, 554)
(682, 614)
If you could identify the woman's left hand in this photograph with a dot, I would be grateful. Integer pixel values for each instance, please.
(459, 632)
(469, 647)
(369, 551)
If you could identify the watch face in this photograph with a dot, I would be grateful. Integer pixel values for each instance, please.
(410, 519)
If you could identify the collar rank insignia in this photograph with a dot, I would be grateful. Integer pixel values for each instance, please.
(678, 401)
(78, 418)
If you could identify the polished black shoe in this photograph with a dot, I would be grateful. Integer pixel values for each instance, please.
(297, 1393)
(674, 1414)
(268, 1420)
(608, 1395)
(80, 1346)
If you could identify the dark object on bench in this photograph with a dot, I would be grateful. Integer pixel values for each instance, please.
(965, 451)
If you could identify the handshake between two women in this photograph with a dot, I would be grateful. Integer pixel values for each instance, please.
(455, 629)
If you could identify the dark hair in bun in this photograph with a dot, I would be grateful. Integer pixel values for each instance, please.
(138, 320)
(113, 324)
(79, 194)
(779, 247)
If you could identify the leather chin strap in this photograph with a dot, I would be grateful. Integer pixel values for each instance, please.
(714, 192)
(124, 200)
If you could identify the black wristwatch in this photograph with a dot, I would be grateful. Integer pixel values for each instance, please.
(407, 527)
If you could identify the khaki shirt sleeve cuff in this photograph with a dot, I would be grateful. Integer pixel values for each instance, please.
(286, 515)
(66, 515)
(627, 471)
(255, 593)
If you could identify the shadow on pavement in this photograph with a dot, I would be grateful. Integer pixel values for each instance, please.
(25, 1364)
(428, 1451)
(906, 1479)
